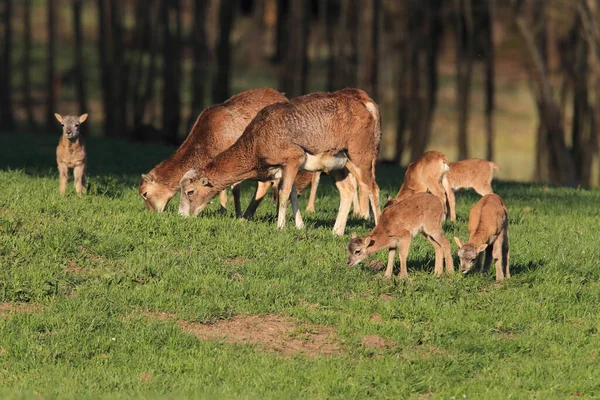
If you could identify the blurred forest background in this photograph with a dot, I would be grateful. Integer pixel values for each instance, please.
(514, 81)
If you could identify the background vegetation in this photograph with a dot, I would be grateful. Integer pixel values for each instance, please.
(514, 81)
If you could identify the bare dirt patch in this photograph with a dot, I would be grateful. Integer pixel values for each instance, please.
(272, 332)
(376, 317)
(8, 308)
(73, 268)
(377, 342)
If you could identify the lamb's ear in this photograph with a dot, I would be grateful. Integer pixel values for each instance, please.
(58, 117)
(482, 248)
(82, 118)
(353, 235)
(148, 178)
(458, 242)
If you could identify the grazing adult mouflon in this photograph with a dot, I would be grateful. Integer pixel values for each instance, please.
(216, 129)
(333, 132)
(70, 152)
(488, 230)
(474, 173)
(398, 224)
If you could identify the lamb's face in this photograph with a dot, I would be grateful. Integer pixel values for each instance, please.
(196, 193)
(468, 257)
(70, 124)
(357, 250)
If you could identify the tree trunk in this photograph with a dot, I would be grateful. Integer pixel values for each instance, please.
(51, 79)
(464, 72)
(119, 68)
(416, 100)
(146, 100)
(26, 67)
(256, 35)
(402, 99)
(293, 75)
(200, 59)
(142, 40)
(432, 41)
(171, 70)
(6, 107)
(561, 168)
(221, 85)
(339, 75)
(280, 31)
(105, 55)
(329, 21)
(489, 80)
(368, 43)
(374, 53)
(79, 61)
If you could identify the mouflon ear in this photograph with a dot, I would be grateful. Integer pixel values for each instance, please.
(148, 178)
(458, 242)
(58, 117)
(369, 241)
(353, 235)
(82, 118)
(204, 181)
(482, 248)
(189, 177)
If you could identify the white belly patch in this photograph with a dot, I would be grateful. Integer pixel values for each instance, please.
(324, 162)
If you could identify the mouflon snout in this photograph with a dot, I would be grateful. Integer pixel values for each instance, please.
(70, 124)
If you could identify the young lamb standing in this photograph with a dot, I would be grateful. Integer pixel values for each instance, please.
(70, 152)
(332, 132)
(488, 230)
(398, 224)
(474, 173)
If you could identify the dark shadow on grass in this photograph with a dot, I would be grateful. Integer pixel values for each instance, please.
(525, 268)
(36, 155)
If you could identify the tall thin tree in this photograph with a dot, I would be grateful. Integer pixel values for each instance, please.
(26, 67)
(6, 107)
(79, 59)
(489, 78)
(294, 71)
(221, 82)
(464, 71)
(105, 55)
(171, 70)
(51, 78)
(200, 51)
(119, 68)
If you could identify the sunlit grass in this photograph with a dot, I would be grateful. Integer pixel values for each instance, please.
(92, 265)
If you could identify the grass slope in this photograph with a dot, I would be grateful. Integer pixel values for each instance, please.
(95, 264)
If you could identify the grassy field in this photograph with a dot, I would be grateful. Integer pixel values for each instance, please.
(100, 298)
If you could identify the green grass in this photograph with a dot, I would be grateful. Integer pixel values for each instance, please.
(533, 336)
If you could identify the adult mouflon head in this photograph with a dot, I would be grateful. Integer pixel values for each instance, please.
(71, 124)
(196, 192)
(156, 194)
